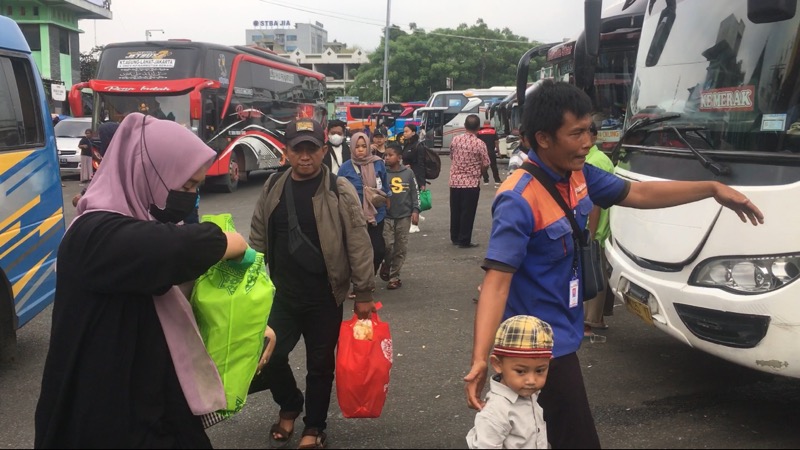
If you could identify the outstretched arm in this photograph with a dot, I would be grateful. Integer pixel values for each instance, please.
(663, 194)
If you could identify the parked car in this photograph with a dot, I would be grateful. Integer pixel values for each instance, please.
(68, 135)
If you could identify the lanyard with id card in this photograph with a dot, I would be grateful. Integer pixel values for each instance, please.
(574, 284)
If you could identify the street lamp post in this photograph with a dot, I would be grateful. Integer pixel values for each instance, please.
(386, 53)
(149, 33)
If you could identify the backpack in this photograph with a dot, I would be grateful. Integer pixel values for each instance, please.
(433, 164)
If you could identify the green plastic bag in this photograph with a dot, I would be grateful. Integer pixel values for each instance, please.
(231, 303)
(425, 200)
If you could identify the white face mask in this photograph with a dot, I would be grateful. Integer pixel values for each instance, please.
(336, 139)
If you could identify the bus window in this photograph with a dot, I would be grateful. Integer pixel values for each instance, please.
(20, 120)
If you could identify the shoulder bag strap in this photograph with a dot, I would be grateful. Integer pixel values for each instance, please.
(547, 182)
(290, 207)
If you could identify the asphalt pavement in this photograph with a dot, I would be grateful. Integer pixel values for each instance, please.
(646, 389)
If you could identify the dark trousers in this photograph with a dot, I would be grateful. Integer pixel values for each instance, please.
(463, 206)
(493, 166)
(318, 321)
(566, 406)
(378, 244)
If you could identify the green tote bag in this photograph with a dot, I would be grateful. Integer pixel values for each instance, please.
(231, 303)
(425, 200)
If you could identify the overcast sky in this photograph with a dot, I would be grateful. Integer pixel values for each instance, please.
(356, 22)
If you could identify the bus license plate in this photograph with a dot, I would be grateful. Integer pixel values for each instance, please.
(63, 160)
(639, 308)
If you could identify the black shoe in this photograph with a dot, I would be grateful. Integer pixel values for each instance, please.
(470, 245)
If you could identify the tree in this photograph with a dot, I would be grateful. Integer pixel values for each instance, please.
(419, 62)
(89, 63)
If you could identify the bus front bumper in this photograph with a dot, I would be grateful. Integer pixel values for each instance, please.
(756, 331)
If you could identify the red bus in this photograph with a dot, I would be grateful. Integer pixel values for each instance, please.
(237, 99)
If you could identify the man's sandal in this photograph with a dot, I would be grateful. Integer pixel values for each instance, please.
(284, 435)
(384, 272)
(321, 440)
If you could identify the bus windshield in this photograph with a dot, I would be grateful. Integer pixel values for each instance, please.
(734, 80)
(115, 107)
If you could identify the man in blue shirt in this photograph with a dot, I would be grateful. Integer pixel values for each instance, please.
(530, 264)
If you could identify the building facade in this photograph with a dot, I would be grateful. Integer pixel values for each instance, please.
(281, 37)
(51, 29)
(338, 67)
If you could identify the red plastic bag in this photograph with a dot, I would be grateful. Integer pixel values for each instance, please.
(363, 367)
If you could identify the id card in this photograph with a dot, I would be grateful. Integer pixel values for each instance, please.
(573, 293)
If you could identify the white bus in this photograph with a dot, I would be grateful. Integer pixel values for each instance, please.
(444, 113)
(716, 96)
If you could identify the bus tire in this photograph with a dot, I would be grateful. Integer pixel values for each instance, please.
(8, 325)
(231, 179)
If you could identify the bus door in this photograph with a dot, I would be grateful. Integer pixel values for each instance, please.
(433, 119)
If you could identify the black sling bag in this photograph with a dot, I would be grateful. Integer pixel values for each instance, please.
(303, 251)
(588, 250)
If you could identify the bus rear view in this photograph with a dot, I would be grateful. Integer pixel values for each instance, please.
(31, 204)
(716, 96)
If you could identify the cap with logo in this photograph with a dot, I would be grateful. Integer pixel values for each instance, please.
(304, 130)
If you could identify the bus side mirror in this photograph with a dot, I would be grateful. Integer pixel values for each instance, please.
(592, 11)
(769, 11)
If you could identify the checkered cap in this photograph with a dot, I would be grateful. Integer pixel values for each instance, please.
(524, 337)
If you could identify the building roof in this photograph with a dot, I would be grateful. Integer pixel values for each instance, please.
(84, 9)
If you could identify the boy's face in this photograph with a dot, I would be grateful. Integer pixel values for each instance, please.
(566, 151)
(392, 158)
(379, 140)
(525, 376)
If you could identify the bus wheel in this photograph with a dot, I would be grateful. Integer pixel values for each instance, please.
(8, 330)
(232, 178)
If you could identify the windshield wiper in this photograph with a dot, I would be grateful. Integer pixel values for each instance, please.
(715, 167)
(636, 126)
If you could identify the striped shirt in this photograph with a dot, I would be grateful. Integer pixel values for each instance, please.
(468, 159)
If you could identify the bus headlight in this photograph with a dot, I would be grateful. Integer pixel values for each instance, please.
(747, 275)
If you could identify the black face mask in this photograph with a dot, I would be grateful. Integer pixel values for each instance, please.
(179, 205)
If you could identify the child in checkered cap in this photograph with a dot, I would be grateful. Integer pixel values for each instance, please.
(511, 417)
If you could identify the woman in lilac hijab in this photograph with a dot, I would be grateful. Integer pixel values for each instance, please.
(126, 365)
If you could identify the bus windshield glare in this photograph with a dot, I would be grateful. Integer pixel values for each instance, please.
(115, 107)
(734, 79)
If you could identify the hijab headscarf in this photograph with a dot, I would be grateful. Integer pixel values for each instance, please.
(146, 159)
(366, 167)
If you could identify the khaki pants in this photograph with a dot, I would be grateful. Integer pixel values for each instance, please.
(395, 235)
(597, 307)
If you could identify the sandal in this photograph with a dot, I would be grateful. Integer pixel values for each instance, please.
(321, 440)
(394, 284)
(276, 428)
(384, 272)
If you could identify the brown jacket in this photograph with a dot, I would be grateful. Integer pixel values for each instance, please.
(343, 236)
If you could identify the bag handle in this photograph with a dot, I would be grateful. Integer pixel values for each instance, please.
(548, 183)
